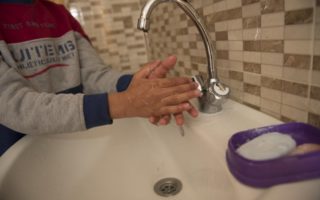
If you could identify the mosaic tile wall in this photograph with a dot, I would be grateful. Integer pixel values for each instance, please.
(111, 26)
(268, 51)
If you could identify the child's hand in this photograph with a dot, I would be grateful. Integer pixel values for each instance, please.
(160, 71)
(153, 97)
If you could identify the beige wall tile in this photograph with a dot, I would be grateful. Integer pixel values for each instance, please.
(208, 9)
(316, 48)
(272, 33)
(222, 45)
(221, 26)
(315, 78)
(270, 112)
(274, 19)
(220, 6)
(272, 70)
(252, 99)
(314, 106)
(233, 4)
(294, 113)
(271, 94)
(236, 55)
(252, 78)
(252, 34)
(270, 105)
(298, 4)
(301, 47)
(296, 75)
(236, 85)
(234, 24)
(236, 65)
(236, 94)
(317, 30)
(235, 35)
(251, 10)
(235, 45)
(250, 56)
(272, 58)
(295, 101)
(298, 32)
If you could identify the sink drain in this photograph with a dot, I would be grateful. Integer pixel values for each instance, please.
(168, 187)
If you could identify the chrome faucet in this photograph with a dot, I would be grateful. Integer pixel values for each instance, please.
(214, 92)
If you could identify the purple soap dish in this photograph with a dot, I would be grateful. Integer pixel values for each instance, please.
(280, 170)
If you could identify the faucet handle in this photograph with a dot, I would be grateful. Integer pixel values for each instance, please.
(220, 89)
(201, 84)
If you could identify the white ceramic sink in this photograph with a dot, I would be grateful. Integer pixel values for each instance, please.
(125, 160)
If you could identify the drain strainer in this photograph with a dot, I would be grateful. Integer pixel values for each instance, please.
(168, 187)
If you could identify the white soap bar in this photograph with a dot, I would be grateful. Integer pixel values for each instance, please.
(267, 146)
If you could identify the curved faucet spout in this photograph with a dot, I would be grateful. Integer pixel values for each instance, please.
(213, 81)
(144, 25)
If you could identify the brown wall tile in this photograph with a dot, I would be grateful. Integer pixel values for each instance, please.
(271, 83)
(252, 67)
(314, 119)
(275, 46)
(222, 54)
(225, 15)
(295, 88)
(286, 119)
(316, 63)
(304, 16)
(222, 35)
(252, 45)
(271, 6)
(246, 2)
(252, 89)
(297, 61)
(236, 75)
(198, 59)
(315, 93)
(251, 22)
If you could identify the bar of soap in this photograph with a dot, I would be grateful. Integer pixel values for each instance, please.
(267, 146)
(305, 148)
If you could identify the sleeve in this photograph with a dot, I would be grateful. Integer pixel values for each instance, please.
(96, 76)
(26, 110)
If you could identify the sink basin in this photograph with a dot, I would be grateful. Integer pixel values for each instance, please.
(125, 160)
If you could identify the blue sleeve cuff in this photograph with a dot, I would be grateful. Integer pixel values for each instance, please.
(96, 110)
(124, 82)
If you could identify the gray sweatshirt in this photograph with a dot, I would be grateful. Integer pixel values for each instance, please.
(51, 78)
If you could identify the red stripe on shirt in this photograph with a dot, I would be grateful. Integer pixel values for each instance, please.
(44, 70)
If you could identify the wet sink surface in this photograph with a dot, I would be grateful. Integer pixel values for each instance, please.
(125, 160)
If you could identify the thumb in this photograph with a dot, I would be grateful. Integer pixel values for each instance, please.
(147, 69)
(169, 62)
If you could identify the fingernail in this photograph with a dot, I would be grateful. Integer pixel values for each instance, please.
(197, 92)
(187, 106)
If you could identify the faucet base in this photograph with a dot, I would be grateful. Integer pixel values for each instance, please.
(207, 106)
